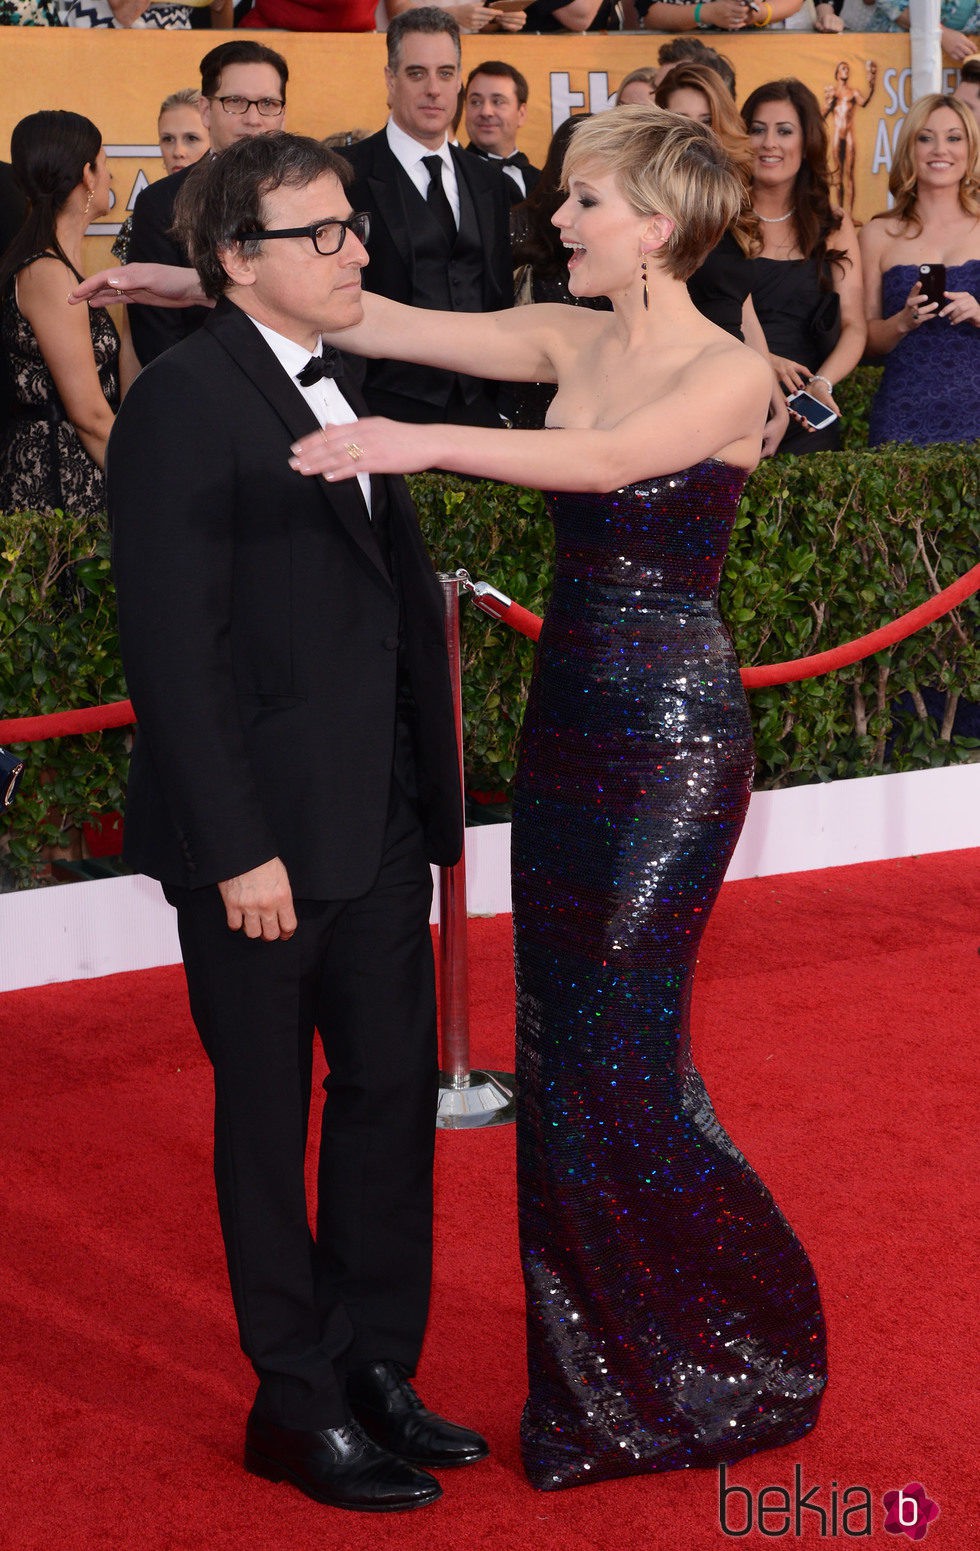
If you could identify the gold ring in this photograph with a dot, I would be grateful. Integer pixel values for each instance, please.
(353, 451)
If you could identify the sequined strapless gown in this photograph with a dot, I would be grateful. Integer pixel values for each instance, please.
(673, 1317)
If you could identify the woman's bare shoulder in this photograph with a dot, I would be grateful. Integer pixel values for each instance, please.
(48, 277)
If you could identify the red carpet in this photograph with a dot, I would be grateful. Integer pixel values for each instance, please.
(835, 1026)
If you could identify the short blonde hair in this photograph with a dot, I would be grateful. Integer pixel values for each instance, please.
(664, 165)
(902, 183)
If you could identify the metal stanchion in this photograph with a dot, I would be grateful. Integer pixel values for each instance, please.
(466, 1098)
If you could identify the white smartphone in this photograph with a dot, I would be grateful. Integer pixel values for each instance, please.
(810, 409)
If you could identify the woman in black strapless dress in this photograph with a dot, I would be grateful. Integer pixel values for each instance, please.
(673, 1318)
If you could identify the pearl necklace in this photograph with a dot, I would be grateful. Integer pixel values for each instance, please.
(771, 220)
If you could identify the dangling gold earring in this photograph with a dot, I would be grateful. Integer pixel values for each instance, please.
(646, 294)
(88, 202)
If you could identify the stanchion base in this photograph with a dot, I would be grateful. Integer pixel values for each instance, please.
(487, 1100)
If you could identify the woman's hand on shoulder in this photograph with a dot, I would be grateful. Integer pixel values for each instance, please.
(153, 285)
(369, 446)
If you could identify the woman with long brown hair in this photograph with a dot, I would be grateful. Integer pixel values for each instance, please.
(922, 280)
(64, 367)
(806, 283)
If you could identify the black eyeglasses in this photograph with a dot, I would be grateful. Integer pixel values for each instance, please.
(326, 236)
(269, 107)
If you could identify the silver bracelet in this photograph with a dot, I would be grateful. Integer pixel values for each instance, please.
(819, 377)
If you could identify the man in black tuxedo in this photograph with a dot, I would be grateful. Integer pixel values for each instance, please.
(495, 107)
(439, 220)
(243, 93)
(294, 774)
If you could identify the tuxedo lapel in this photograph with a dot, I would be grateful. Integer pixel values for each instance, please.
(236, 334)
(387, 194)
(468, 168)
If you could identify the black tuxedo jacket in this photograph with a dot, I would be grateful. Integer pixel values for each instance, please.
(260, 631)
(155, 329)
(377, 188)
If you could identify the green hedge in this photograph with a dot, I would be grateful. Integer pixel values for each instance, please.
(825, 549)
(58, 650)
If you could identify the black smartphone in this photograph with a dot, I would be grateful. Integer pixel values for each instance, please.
(810, 409)
(932, 279)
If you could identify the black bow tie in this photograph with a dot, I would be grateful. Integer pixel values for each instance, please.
(326, 365)
(515, 159)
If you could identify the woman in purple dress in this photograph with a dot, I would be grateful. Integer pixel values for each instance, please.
(930, 391)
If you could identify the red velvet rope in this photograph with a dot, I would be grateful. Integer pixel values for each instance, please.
(528, 624)
(28, 729)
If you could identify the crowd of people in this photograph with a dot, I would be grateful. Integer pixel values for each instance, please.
(791, 277)
(307, 327)
(960, 18)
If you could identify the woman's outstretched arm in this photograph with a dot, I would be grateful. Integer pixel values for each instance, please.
(718, 411)
(516, 345)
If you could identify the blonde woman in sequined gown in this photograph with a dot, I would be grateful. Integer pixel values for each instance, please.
(673, 1318)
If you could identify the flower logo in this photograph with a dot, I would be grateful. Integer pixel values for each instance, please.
(910, 1512)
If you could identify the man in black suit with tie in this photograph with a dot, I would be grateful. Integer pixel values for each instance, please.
(439, 220)
(294, 774)
(243, 93)
(495, 107)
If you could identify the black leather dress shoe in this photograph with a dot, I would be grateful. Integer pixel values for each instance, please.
(387, 1407)
(338, 1466)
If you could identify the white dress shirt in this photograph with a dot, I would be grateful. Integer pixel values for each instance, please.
(409, 154)
(324, 397)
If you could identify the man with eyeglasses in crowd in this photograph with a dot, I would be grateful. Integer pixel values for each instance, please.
(243, 93)
(294, 774)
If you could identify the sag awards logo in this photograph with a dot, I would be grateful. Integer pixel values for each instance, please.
(845, 1512)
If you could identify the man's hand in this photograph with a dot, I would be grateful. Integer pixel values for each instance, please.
(260, 902)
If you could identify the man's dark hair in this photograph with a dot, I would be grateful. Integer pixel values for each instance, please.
(499, 67)
(427, 19)
(223, 196)
(239, 52)
(970, 69)
(698, 53)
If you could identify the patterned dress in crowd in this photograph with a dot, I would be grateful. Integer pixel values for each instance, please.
(43, 465)
(930, 388)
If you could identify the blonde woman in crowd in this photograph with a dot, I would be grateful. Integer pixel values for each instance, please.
(922, 280)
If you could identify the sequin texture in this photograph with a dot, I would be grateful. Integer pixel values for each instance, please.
(673, 1317)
